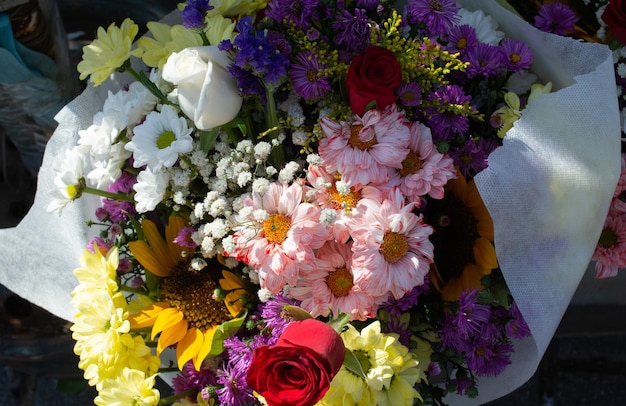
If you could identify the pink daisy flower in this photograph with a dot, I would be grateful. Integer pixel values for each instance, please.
(280, 233)
(327, 194)
(391, 249)
(610, 253)
(328, 286)
(619, 197)
(363, 152)
(424, 171)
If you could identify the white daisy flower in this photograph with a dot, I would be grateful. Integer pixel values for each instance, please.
(150, 187)
(108, 170)
(485, 26)
(69, 180)
(159, 139)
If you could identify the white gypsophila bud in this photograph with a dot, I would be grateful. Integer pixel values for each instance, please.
(207, 246)
(197, 237)
(260, 185)
(299, 137)
(314, 159)
(310, 195)
(265, 295)
(288, 172)
(342, 187)
(328, 216)
(198, 264)
(260, 215)
(244, 178)
(179, 198)
(262, 150)
(219, 228)
(245, 146)
(271, 171)
(198, 210)
(228, 244)
(253, 275)
(218, 207)
(230, 263)
(245, 213)
(180, 178)
(219, 185)
(241, 167)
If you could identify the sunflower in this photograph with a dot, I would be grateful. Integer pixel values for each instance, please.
(186, 316)
(463, 239)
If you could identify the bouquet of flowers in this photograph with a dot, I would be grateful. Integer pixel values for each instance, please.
(320, 202)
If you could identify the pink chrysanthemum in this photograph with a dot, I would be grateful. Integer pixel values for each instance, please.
(279, 235)
(424, 171)
(326, 194)
(619, 197)
(610, 253)
(391, 250)
(328, 286)
(363, 152)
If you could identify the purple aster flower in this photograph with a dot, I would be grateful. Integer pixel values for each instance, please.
(353, 31)
(471, 315)
(517, 55)
(484, 60)
(434, 369)
(235, 390)
(516, 327)
(556, 18)
(410, 94)
(193, 13)
(239, 353)
(101, 214)
(396, 307)
(443, 123)
(461, 38)
(299, 12)
(116, 208)
(189, 378)
(100, 242)
(125, 265)
(184, 238)
(489, 359)
(307, 77)
(469, 158)
(274, 315)
(437, 15)
(396, 326)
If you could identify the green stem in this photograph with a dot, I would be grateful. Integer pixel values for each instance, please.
(148, 84)
(173, 398)
(205, 39)
(277, 156)
(103, 193)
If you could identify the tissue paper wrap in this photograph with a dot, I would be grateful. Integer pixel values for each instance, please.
(548, 189)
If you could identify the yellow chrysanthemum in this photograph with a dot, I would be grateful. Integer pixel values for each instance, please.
(236, 8)
(463, 239)
(165, 40)
(186, 317)
(390, 371)
(108, 52)
(98, 271)
(131, 387)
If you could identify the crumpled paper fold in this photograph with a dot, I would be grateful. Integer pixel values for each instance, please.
(548, 189)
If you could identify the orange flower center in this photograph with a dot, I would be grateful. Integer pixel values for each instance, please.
(356, 142)
(339, 282)
(461, 43)
(411, 164)
(394, 247)
(276, 228)
(340, 201)
(515, 58)
(191, 292)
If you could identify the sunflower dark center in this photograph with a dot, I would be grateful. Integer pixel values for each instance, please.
(191, 292)
(455, 231)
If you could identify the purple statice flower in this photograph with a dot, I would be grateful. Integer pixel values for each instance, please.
(396, 307)
(556, 18)
(446, 124)
(184, 238)
(353, 31)
(307, 77)
(194, 12)
(234, 389)
(189, 378)
(469, 158)
(516, 327)
(484, 60)
(115, 208)
(437, 15)
(299, 12)
(517, 56)
(410, 94)
(461, 38)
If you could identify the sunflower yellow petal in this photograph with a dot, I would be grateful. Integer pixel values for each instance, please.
(143, 253)
(167, 318)
(205, 349)
(171, 336)
(147, 316)
(174, 227)
(485, 254)
(159, 247)
(189, 346)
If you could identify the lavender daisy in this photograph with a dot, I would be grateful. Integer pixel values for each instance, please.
(353, 31)
(410, 94)
(437, 15)
(190, 379)
(307, 77)
(517, 55)
(461, 38)
(446, 123)
(235, 390)
(556, 18)
(299, 12)
(484, 60)
(469, 158)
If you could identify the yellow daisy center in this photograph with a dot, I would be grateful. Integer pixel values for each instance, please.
(394, 247)
(461, 43)
(73, 191)
(165, 139)
(339, 282)
(411, 164)
(343, 201)
(276, 228)
(356, 142)
(515, 57)
(191, 292)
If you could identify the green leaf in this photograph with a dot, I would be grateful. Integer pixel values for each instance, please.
(208, 138)
(152, 88)
(339, 322)
(352, 364)
(297, 313)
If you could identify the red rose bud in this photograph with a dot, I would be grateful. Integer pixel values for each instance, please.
(615, 18)
(373, 76)
(298, 369)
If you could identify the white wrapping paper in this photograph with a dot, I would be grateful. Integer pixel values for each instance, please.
(547, 188)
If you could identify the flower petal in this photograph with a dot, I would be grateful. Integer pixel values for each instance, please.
(189, 346)
(148, 315)
(167, 318)
(172, 335)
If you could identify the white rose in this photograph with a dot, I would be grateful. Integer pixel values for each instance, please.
(207, 93)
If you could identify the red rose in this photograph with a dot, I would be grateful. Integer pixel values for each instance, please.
(373, 75)
(615, 18)
(297, 370)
